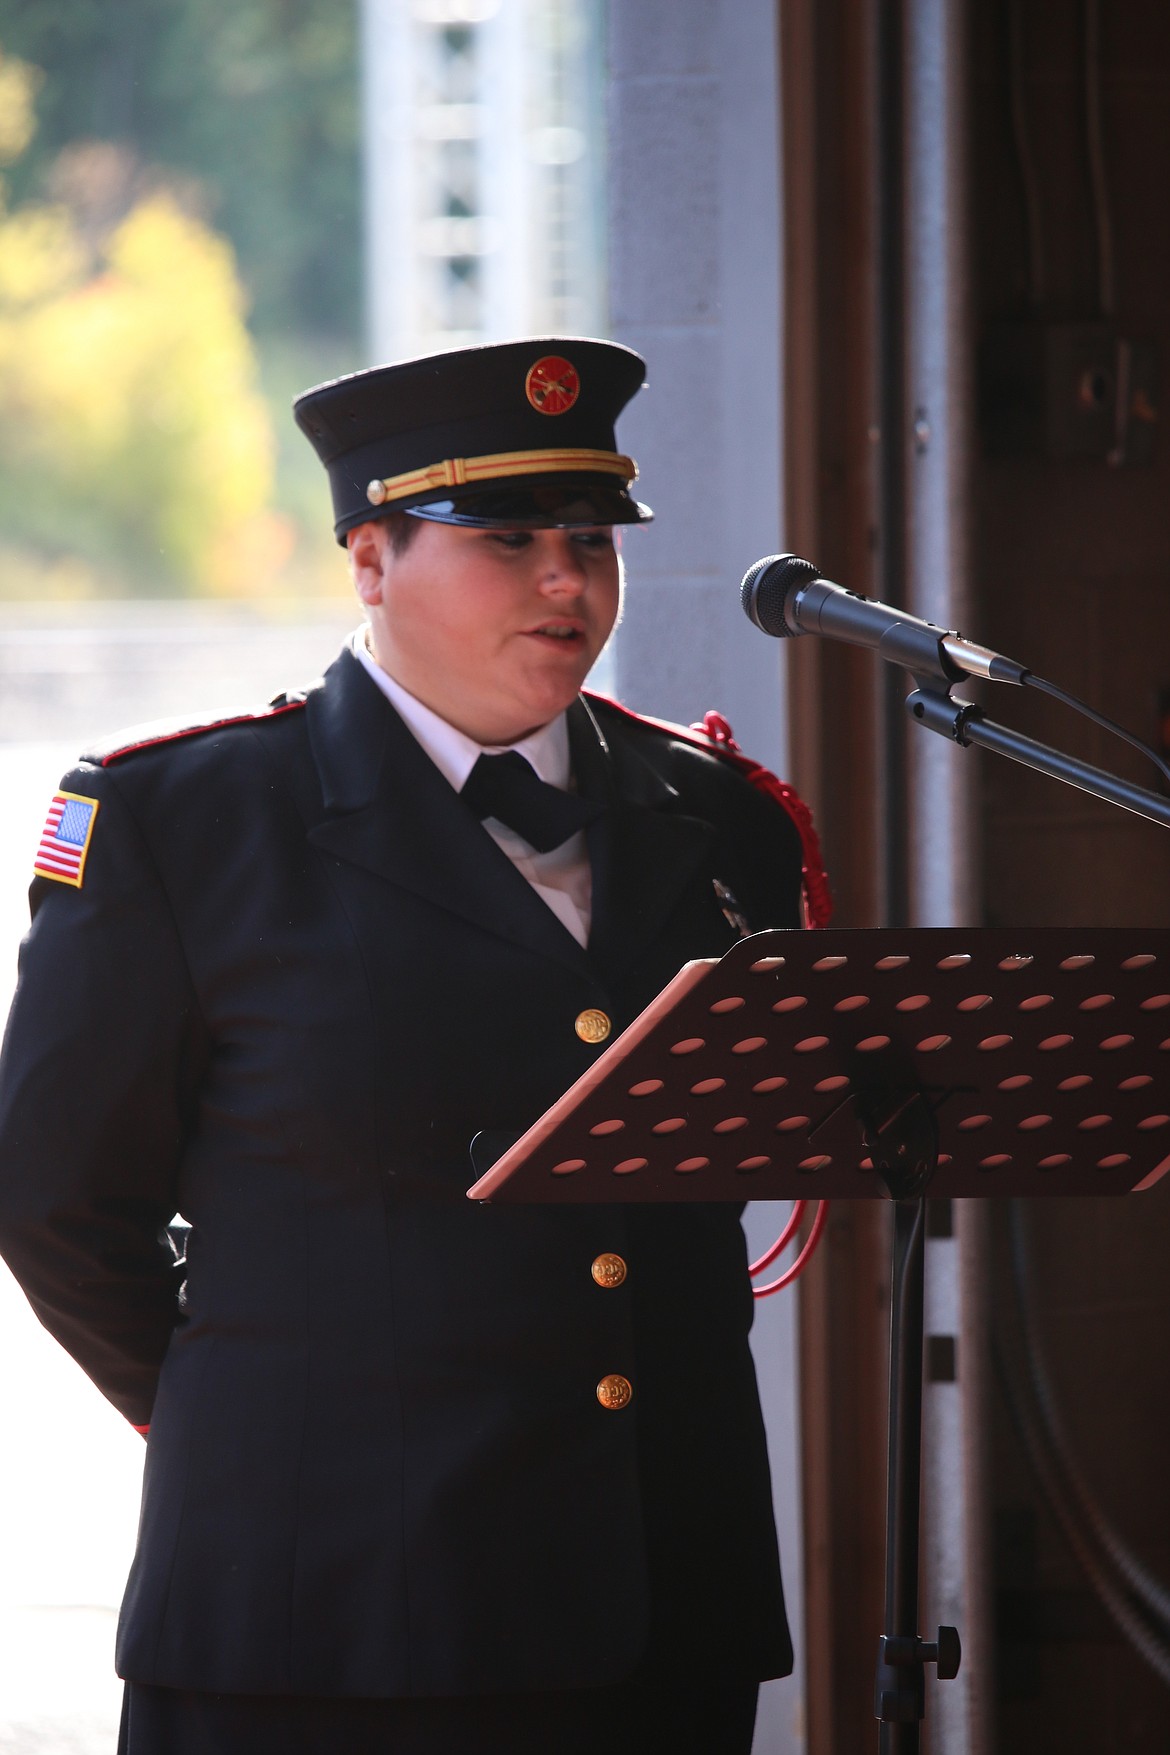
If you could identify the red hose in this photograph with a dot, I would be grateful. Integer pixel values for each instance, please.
(782, 1242)
(802, 1260)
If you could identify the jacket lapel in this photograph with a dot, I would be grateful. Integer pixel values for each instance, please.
(389, 810)
(644, 849)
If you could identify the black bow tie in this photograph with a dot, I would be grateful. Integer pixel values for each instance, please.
(508, 788)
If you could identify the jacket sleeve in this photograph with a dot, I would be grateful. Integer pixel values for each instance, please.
(100, 1066)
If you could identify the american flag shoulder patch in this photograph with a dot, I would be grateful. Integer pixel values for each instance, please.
(65, 838)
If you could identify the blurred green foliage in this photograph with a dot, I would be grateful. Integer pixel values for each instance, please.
(254, 100)
(146, 440)
(117, 362)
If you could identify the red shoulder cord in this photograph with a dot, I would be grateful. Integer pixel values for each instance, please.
(714, 732)
(818, 900)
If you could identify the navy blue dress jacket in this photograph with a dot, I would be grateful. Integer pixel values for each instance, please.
(297, 979)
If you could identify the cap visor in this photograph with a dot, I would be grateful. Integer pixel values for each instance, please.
(538, 506)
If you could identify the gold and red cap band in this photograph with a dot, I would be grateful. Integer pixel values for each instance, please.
(500, 466)
(515, 433)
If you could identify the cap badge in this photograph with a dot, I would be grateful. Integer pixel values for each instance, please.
(552, 385)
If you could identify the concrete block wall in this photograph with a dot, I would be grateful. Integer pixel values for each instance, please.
(694, 248)
(694, 285)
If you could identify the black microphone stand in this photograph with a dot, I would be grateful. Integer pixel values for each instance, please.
(932, 705)
(904, 1151)
(905, 1154)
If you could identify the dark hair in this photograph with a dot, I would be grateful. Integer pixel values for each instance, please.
(401, 529)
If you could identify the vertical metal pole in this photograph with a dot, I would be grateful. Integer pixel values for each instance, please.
(942, 876)
(903, 1680)
(973, 1701)
(890, 570)
(943, 866)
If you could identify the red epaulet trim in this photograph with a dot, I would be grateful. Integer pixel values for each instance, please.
(147, 736)
(142, 1429)
(713, 732)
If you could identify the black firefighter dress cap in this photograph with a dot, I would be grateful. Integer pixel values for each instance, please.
(513, 434)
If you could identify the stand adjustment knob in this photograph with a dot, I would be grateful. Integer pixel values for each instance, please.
(946, 1654)
(899, 1693)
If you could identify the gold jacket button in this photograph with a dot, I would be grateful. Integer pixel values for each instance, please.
(609, 1270)
(592, 1026)
(614, 1392)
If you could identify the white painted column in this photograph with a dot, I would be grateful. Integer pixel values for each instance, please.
(389, 77)
(483, 193)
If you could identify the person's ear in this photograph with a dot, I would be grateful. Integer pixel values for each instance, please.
(367, 546)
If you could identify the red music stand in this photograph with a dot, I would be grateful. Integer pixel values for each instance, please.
(845, 1065)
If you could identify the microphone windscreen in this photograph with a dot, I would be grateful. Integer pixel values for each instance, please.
(768, 588)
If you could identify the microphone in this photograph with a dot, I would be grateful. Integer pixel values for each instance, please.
(784, 596)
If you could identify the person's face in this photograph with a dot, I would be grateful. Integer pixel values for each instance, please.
(494, 630)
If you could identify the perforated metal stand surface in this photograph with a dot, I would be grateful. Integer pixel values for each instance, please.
(1042, 1056)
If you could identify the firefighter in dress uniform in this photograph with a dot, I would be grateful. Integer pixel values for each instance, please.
(421, 1474)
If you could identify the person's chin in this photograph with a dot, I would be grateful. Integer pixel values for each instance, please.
(541, 702)
(560, 671)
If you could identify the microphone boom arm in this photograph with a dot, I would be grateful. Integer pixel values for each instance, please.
(963, 722)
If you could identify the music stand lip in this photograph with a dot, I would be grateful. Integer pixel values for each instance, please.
(1026, 1045)
(959, 1044)
(603, 1068)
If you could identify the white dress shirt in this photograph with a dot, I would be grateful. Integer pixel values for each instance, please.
(562, 878)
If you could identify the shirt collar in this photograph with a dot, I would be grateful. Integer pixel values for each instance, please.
(452, 751)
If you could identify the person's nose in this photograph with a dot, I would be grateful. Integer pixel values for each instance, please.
(562, 566)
